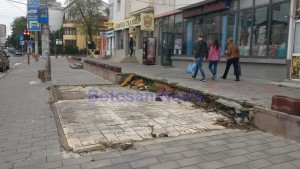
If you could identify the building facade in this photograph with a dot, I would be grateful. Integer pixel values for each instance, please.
(267, 33)
(2, 35)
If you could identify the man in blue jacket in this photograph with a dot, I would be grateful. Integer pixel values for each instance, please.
(201, 52)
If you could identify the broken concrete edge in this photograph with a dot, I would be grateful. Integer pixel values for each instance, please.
(63, 139)
(206, 95)
(277, 123)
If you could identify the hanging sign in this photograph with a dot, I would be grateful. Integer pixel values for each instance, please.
(128, 23)
(147, 22)
(32, 15)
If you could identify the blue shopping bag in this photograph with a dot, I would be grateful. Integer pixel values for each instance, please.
(191, 68)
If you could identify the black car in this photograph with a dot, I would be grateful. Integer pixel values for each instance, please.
(4, 61)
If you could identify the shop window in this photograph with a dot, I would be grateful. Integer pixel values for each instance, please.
(179, 46)
(244, 38)
(246, 4)
(212, 29)
(298, 10)
(279, 30)
(234, 4)
(277, 0)
(297, 39)
(260, 32)
(171, 23)
(229, 24)
(166, 24)
(261, 2)
(198, 29)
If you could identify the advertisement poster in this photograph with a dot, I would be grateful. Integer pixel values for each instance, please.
(178, 44)
(151, 51)
(295, 72)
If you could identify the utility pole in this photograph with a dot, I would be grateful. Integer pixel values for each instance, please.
(36, 45)
(45, 44)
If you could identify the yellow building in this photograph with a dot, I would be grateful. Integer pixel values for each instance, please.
(72, 36)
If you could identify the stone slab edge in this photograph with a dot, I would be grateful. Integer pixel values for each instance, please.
(277, 123)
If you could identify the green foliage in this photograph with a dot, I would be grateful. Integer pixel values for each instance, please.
(152, 88)
(17, 27)
(87, 17)
(69, 49)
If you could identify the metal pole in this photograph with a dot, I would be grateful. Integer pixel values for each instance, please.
(36, 45)
(45, 46)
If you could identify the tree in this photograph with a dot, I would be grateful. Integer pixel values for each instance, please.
(87, 17)
(17, 27)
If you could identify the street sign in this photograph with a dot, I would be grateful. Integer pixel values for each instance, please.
(32, 15)
(58, 41)
(43, 16)
(22, 43)
(20, 37)
(108, 24)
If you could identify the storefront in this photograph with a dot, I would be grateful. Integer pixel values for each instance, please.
(259, 27)
(295, 65)
(137, 27)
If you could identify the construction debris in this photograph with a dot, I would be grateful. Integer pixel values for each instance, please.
(127, 80)
(163, 88)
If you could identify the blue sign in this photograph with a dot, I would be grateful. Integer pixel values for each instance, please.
(32, 15)
(20, 37)
(43, 16)
(110, 34)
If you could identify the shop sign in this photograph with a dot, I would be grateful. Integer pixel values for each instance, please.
(108, 24)
(110, 34)
(102, 34)
(147, 22)
(207, 8)
(128, 23)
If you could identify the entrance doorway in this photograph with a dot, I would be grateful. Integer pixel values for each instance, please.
(167, 49)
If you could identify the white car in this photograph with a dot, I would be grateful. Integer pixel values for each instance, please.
(18, 52)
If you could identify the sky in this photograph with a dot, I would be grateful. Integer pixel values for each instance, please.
(10, 10)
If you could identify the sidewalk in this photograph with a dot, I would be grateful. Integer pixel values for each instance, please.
(29, 139)
(250, 90)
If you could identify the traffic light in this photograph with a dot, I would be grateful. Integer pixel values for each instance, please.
(26, 34)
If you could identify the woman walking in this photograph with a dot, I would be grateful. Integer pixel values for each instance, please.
(214, 58)
(232, 58)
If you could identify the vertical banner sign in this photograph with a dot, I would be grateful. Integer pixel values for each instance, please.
(32, 15)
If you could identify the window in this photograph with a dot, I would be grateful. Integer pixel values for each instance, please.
(297, 39)
(298, 10)
(279, 30)
(111, 11)
(260, 32)
(118, 5)
(179, 35)
(261, 2)
(244, 33)
(246, 4)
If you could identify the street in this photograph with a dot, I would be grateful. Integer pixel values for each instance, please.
(29, 137)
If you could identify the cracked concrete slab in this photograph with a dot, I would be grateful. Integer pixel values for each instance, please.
(94, 124)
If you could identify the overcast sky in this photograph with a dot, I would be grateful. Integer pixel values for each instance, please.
(10, 10)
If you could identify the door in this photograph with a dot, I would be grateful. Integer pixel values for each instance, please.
(167, 49)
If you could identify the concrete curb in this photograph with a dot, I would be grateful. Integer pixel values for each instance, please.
(277, 123)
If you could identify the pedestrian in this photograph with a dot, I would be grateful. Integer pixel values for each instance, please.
(232, 54)
(214, 58)
(201, 53)
(131, 45)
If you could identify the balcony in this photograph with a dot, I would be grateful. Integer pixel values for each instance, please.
(137, 7)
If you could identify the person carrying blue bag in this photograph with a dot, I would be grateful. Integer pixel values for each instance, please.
(200, 54)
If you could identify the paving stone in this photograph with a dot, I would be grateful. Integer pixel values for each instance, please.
(280, 158)
(96, 164)
(214, 149)
(124, 159)
(56, 164)
(30, 161)
(102, 156)
(71, 167)
(192, 153)
(258, 164)
(237, 145)
(281, 166)
(236, 152)
(238, 166)
(74, 161)
(119, 166)
(190, 167)
(282, 150)
(167, 165)
(295, 163)
(175, 149)
(153, 153)
(212, 165)
(214, 156)
(257, 155)
(143, 162)
(190, 161)
(295, 154)
(236, 160)
(170, 157)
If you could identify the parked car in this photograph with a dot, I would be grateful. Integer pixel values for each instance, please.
(18, 52)
(4, 61)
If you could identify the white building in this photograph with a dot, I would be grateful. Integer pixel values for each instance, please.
(2, 34)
